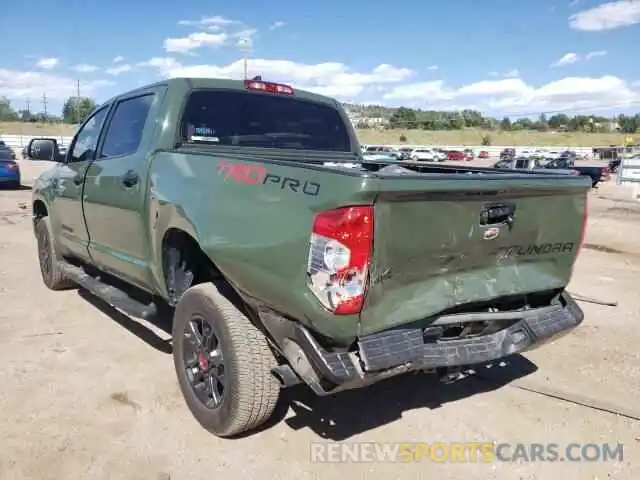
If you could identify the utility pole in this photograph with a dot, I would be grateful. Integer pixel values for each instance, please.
(245, 45)
(44, 105)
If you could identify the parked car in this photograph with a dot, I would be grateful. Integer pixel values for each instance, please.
(279, 267)
(9, 170)
(597, 173)
(7, 149)
(529, 163)
(405, 153)
(468, 154)
(455, 155)
(425, 155)
(385, 151)
(507, 153)
(483, 154)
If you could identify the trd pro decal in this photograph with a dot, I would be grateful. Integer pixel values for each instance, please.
(250, 174)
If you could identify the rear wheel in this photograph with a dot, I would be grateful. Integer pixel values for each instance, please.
(47, 257)
(223, 363)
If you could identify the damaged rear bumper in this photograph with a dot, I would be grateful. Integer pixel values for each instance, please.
(405, 349)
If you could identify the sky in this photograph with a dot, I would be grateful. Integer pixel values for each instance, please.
(502, 57)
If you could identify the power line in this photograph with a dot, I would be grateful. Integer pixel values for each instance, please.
(44, 104)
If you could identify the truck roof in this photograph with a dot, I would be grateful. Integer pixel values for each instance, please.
(194, 83)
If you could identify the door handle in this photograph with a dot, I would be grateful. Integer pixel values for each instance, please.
(130, 178)
(78, 179)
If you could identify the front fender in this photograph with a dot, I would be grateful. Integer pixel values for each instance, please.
(44, 189)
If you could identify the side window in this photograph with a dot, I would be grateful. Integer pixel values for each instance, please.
(86, 140)
(124, 132)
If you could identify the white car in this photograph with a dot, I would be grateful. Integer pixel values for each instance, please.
(426, 155)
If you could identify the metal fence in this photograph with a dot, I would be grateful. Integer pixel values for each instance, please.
(19, 141)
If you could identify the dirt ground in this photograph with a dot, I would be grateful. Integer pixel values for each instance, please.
(87, 392)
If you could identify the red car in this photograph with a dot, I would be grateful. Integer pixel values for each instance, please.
(483, 154)
(455, 155)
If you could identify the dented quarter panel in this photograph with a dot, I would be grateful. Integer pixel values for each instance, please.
(256, 234)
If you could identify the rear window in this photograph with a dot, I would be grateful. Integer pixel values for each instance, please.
(236, 118)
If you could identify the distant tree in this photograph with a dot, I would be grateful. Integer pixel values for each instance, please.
(505, 124)
(486, 140)
(7, 113)
(558, 120)
(76, 110)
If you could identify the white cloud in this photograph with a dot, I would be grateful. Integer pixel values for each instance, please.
(118, 70)
(567, 59)
(85, 68)
(432, 67)
(18, 84)
(597, 53)
(193, 41)
(210, 22)
(513, 95)
(608, 16)
(330, 78)
(164, 64)
(118, 59)
(573, 3)
(48, 63)
(276, 25)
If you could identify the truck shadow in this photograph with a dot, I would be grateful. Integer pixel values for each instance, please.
(349, 413)
(134, 326)
(345, 414)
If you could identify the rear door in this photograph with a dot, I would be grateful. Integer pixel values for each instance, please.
(444, 243)
(115, 189)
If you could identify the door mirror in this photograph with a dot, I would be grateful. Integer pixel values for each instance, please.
(43, 149)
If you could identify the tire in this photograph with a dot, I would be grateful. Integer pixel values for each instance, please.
(415, 158)
(48, 258)
(250, 391)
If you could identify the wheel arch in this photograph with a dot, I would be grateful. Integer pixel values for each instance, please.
(39, 209)
(183, 263)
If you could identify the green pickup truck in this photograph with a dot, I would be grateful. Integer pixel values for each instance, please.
(246, 210)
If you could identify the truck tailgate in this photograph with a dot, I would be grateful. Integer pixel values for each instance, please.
(472, 241)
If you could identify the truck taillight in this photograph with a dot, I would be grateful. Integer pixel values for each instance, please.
(340, 250)
(269, 87)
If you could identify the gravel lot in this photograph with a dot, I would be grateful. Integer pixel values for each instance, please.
(90, 393)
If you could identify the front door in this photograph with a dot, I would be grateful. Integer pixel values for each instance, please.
(115, 190)
(66, 210)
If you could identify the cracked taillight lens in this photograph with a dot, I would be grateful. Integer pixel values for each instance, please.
(340, 250)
